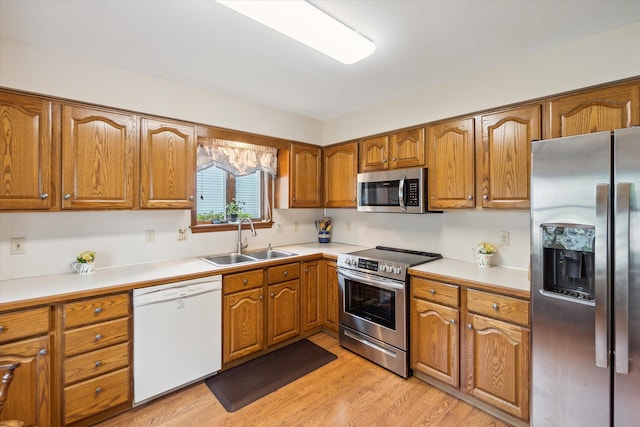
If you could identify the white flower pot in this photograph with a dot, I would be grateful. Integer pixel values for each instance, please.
(484, 260)
(83, 267)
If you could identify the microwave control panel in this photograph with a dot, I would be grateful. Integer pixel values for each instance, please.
(413, 193)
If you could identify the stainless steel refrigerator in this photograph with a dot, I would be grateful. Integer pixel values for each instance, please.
(585, 280)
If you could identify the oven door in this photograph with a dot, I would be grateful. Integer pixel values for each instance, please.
(374, 306)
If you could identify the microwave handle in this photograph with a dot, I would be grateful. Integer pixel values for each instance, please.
(401, 194)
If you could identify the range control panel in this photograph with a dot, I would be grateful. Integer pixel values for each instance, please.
(382, 268)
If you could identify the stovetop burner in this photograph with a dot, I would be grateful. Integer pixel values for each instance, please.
(404, 256)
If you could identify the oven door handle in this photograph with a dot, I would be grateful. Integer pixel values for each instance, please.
(379, 282)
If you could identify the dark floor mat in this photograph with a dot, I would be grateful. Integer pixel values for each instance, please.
(250, 381)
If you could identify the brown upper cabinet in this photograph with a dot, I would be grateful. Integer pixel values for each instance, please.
(503, 156)
(591, 111)
(168, 164)
(99, 158)
(402, 149)
(451, 164)
(299, 183)
(26, 150)
(340, 174)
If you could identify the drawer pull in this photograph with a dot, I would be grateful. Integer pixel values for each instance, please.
(98, 310)
(98, 390)
(432, 291)
(43, 352)
(98, 363)
(453, 321)
(260, 298)
(272, 295)
(98, 337)
(469, 326)
(286, 273)
(245, 281)
(1, 328)
(495, 306)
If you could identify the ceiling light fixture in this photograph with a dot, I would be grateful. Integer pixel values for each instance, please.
(309, 25)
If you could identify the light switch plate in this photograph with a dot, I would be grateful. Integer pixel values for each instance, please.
(504, 238)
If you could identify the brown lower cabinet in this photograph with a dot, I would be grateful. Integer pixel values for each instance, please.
(475, 341)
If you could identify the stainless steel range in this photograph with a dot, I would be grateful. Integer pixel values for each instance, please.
(374, 290)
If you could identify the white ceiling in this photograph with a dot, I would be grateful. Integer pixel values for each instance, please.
(203, 44)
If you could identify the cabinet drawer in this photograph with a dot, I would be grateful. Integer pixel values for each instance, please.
(499, 307)
(24, 323)
(96, 363)
(94, 337)
(96, 395)
(438, 292)
(241, 281)
(284, 272)
(94, 310)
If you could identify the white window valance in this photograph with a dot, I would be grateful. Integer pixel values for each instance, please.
(237, 158)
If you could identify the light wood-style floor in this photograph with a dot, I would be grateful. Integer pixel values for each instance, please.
(349, 391)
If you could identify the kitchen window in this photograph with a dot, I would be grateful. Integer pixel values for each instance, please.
(233, 172)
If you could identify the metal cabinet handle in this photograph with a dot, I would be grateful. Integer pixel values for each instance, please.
(67, 196)
(191, 197)
(98, 390)
(272, 294)
(469, 197)
(43, 352)
(1, 328)
(453, 321)
(260, 297)
(98, 363)
(469, 326)
(494, 306)
(286, 273)
(394, 159)
(98, 337)
(485, 197)
(384, 160)
(44, 196)
(98, 310)
(245, 281)
(306, 270)
(432, 291)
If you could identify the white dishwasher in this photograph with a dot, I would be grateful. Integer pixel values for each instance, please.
(177, 335)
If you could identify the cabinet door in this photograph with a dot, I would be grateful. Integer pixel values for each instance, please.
(29, 397)
(340, 173)
(306, 176)
(497, 364)
(330, 296)
(311, 296)
(374, 153)
(25, 150)
(284, 311)
(504, 156)
(594, 111)
(450, 153)
(99, 154)
(243, 324)
(435, 341)
(407, 149)
(168, 164)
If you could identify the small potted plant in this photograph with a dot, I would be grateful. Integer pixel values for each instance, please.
(484, 251)
(234, 208)
(84, 263)
(217, 218)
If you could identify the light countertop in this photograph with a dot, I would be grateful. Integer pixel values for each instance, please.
(47, 288)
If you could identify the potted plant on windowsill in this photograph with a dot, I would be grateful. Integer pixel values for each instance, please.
(234, 208)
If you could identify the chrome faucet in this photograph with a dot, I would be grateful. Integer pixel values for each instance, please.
(241, 245)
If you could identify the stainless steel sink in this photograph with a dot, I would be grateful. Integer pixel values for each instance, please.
(235, 258)
(270, 254)
(229, 259)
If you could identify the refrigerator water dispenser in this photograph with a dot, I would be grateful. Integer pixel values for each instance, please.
(568, 260)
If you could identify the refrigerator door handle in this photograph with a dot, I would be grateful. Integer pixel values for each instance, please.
(622, 198)
(601, 276)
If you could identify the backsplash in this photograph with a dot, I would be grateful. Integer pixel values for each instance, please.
(54, 239)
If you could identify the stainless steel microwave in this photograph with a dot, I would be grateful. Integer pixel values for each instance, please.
(398, 190)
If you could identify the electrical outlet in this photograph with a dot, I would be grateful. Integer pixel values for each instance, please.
(504, 238)
(17, 246)
(149, 236)
(279, 228)
(182, 234)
